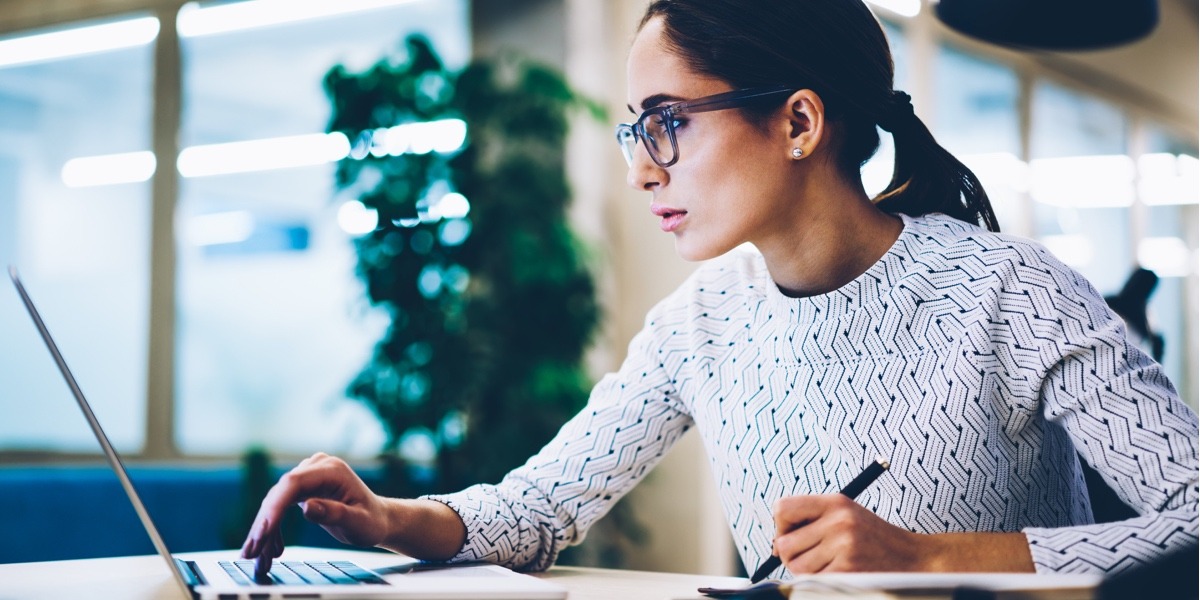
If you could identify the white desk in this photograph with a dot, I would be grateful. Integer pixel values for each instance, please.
(148, 578)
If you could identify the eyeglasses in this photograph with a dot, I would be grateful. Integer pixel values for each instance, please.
(656, 126)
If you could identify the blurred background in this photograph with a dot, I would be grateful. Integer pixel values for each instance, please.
(169, 190)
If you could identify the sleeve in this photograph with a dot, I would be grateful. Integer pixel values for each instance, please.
(1127, 421)
(632, 418)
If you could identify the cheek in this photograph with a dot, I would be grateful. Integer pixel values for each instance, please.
(723, 161)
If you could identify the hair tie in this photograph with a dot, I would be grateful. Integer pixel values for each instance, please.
(897, 112)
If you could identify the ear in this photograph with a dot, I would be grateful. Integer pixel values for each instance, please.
(805, 123)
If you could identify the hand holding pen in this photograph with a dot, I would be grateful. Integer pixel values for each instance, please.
(806, 533)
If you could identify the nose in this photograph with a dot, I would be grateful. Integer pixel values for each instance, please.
(645, 174)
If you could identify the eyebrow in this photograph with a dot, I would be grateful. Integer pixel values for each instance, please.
(655, 100)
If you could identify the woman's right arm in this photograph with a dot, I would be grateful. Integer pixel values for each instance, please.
(332, 495)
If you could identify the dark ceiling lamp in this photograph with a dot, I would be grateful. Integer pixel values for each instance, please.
(1051, 24)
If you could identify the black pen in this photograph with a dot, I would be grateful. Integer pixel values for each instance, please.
(852, 490)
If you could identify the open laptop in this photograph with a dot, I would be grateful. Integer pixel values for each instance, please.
(402, 578)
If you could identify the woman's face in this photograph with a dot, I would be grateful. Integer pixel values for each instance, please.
(730, 184)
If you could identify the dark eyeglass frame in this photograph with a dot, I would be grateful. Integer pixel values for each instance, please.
(666, 114)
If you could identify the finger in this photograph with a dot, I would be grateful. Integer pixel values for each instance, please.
(814, 560)
(322, 512)
(796, 542)
(262, 566)
(807, 549)
(794, 511)
(315, 458)
(295, 486)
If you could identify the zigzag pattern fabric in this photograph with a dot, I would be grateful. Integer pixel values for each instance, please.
(976, 362)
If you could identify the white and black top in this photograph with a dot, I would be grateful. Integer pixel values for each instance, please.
(976, 362)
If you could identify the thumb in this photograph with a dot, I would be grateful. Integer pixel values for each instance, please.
(321, 511)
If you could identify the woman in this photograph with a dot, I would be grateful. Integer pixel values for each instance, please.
(977, 363)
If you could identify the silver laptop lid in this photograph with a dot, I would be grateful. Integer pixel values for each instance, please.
(114, 460)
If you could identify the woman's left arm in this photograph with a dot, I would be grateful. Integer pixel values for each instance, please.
(1127, 421)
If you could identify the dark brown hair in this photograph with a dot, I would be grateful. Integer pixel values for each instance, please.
(837, 49)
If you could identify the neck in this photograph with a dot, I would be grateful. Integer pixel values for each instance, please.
(833, 237)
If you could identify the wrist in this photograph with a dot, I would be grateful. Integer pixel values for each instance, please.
(966, 552)
(424, 529)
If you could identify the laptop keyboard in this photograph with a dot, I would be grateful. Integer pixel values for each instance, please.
(288, 572)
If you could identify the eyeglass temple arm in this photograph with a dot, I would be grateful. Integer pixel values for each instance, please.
(726, 100)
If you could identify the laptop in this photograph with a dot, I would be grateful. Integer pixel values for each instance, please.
(394, 576)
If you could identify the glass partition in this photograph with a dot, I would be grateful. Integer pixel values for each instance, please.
(1082, 183)
(75, 220)
(977, 121)
(1168, 185)
(272, 323)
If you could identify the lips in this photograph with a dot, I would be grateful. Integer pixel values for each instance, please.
(671, 217)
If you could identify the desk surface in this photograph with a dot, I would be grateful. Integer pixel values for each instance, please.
(148, 578)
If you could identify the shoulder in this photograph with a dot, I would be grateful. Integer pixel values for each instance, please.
(723, 285)
(943, 242)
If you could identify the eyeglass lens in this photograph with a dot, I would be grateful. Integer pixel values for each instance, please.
(658, 139)
(628, 142)
(653, 133)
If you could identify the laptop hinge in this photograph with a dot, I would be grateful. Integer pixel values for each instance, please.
(191, 573)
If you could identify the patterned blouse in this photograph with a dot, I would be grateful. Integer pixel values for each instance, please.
(978, 364)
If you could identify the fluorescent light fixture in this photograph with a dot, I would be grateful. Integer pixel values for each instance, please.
(78, 41)
(108, 169)
(1166, 256)
(194, 20)
(356, 219)
(1166, 179)
(219, 228)
(1099, 181)
(446, 135)
(904, 8)
(263, 155)
(442, 136)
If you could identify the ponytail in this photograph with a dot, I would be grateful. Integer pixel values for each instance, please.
(927, 178)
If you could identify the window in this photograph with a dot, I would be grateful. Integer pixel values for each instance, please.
(272, 323)
(877, 171)
(78, 230)
(977, 122)
(1167, 188)
(1082, 183)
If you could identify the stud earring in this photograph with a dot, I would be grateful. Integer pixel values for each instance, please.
(797, 152)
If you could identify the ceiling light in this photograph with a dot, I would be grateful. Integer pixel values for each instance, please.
(78, 41)
(1097, 181)
(263, 155)
(194, 20)
(109, 169)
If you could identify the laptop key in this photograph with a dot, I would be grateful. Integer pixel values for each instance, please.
(285, 576)
(333, 573)
(355, 571)
(234, 573)
(309, 574)
(247, 568)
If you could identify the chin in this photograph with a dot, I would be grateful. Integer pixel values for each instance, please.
(691, 251)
